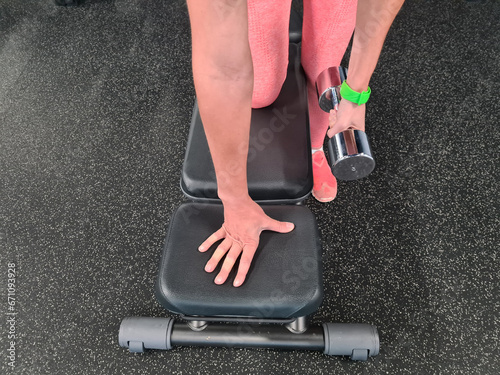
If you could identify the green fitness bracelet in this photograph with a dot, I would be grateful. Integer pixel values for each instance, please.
(353, 96)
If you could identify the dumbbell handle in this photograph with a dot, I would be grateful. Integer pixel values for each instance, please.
(328, 87)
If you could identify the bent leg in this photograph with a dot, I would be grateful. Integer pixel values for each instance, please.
(268, 23)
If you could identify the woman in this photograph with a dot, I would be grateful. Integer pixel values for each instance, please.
(240, 58)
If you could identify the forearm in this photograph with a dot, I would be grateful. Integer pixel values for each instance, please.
(223, 78)
(225, 109)
(373, 20)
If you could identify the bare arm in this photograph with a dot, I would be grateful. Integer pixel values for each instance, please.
(223, 79)
(373, 20)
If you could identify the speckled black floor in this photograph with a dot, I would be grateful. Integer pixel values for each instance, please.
(94, 110)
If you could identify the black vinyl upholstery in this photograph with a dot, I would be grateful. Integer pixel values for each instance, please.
(279, 157)
(295, 29)
(285, 279)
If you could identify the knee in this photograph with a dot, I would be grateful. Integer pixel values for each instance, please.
(266, 91)
(261, 100)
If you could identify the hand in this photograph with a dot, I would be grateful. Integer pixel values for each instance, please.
(243, 222)
(348, 116)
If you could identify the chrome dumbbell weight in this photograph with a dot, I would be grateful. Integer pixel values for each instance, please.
(350, 153)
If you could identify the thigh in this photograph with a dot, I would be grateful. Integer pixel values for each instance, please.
(268, 24)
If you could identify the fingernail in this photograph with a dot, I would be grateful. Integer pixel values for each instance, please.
(208, 269)
(290, 226)
(201, 248)
(237, 283)
(218, 280)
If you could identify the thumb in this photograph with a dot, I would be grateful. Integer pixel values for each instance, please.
(337, 124)
(334, 130)
(340, 125)
(279, 226)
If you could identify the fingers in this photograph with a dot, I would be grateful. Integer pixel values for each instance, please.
(338, 127)
(330, 133)
(332, 119)
(218, 254)
(219, 235)
(279, 226)
(334, 125)
(348, 116)
(245, 262)
(231, 248)
(228, 264)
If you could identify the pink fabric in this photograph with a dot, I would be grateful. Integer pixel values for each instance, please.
(325, 185)
(268, 22)
(327, 29)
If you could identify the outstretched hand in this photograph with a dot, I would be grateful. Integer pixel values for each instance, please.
(243, 223)
(348, 116)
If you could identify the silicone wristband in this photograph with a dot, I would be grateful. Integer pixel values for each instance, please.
(353, 96)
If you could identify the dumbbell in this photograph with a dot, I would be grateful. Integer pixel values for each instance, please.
(350, 153)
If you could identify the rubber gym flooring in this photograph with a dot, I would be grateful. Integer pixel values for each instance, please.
(95, 104)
